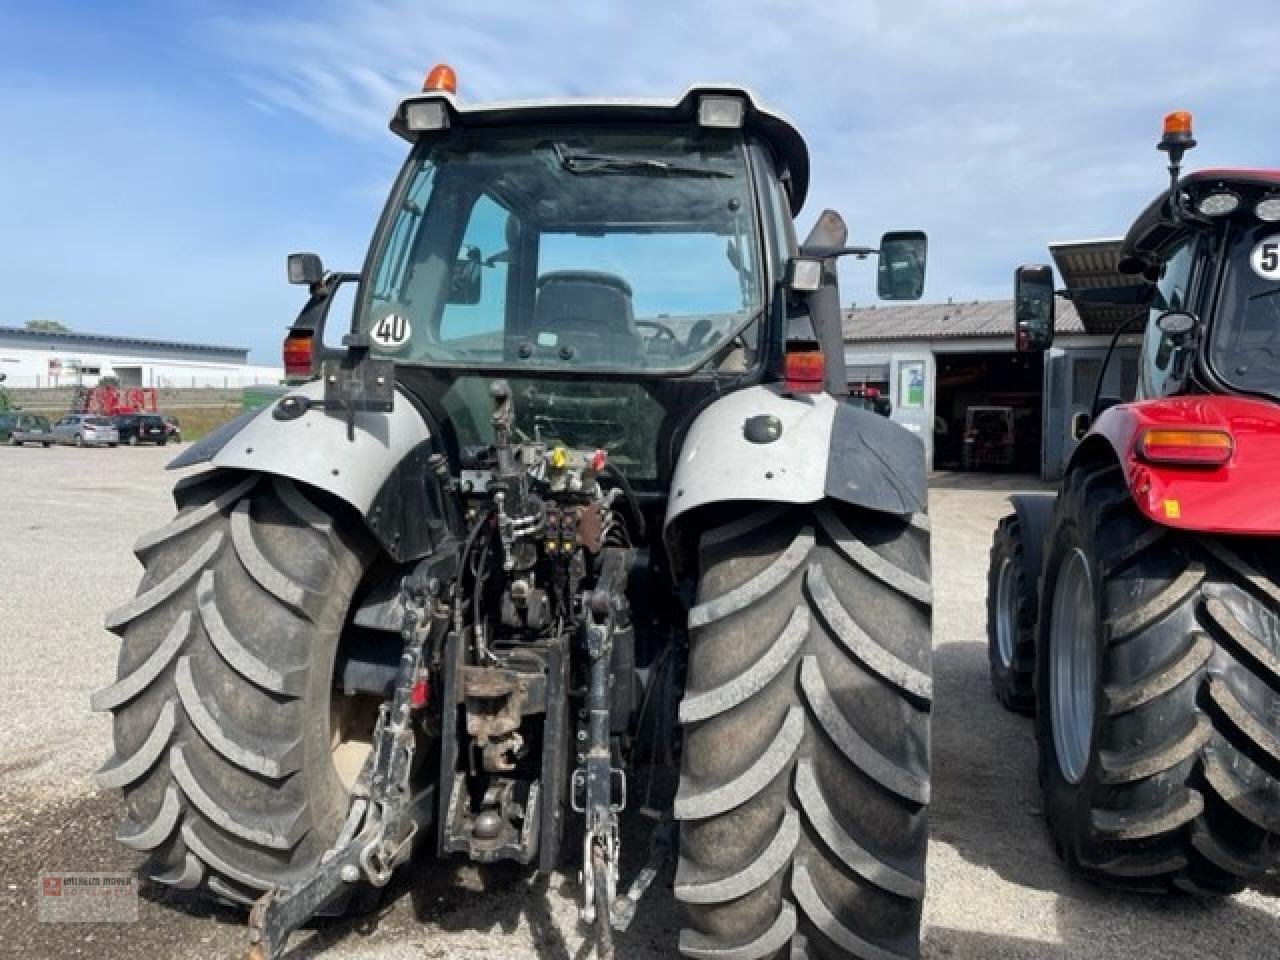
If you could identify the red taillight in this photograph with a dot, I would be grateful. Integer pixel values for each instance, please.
(297, 353)
(1187, 446)
(419, 694)
(804, 371)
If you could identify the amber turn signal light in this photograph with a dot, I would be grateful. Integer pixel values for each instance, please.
(1186, 446)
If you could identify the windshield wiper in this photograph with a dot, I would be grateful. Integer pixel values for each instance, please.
(586, 163)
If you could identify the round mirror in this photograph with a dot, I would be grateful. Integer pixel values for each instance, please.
(1176, 323)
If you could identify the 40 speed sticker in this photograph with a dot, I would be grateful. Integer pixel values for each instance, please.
(1265, 258)
(391, 331)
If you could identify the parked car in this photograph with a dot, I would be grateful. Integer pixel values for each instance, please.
(175, 429)
(86, 430)
(136, 428)
(23, 428)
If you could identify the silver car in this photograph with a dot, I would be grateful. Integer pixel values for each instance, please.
(86, 430)
(25, 428)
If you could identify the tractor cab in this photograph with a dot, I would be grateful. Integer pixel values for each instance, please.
(1201, 267)
(1210, 249)
(619, 263)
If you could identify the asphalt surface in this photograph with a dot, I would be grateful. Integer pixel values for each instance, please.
(996, 891)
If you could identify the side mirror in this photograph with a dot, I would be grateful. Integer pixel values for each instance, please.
(900, 271)
(305, 268)
(1176, 324)
(464, 282)
(1080, 425)
(1033, 309)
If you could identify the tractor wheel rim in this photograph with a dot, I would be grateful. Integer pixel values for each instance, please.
(1073, 671)
(1006, 612)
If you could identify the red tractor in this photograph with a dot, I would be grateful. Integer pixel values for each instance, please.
(1135, 613)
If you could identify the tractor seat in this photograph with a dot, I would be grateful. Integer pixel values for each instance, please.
(591, 312)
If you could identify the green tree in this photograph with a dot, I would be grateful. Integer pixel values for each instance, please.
(47, 326)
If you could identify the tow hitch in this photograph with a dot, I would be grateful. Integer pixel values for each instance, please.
(384, 816)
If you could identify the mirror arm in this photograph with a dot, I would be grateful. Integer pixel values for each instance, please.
(1094, 412)
(314, 315)
(824, 253)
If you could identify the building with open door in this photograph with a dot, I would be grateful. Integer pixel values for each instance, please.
(952, 375)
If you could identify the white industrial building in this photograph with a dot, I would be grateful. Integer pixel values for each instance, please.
(34, 358)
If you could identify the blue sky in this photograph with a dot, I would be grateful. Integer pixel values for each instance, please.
(158, 160)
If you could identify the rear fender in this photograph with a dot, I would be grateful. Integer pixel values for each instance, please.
(823, 448)
(1034, 511)
(1232, 499)
(382, 473)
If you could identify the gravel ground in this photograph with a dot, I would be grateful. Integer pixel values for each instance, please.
(996, 890)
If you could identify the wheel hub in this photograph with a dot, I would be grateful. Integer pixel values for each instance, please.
(1072, 665)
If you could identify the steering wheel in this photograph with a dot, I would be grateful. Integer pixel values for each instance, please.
(664, 332)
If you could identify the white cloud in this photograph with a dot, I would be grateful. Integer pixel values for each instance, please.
(996, 126)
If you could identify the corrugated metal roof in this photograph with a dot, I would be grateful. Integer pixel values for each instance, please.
(46, 338)
(1095, 265)
(943, 321)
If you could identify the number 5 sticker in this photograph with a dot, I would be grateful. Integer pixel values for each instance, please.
(391, 331)
(1265, 258)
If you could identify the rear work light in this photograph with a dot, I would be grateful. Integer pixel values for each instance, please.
(804, 371)
(724, 112)
(297, 353)
(1195, 447)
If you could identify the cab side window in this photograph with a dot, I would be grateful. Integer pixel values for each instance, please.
(1173, 292)
(479, 324)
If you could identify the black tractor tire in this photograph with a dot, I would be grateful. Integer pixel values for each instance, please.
(222, 710)
(804, 782)
(1011, 619)
(1181, 790)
